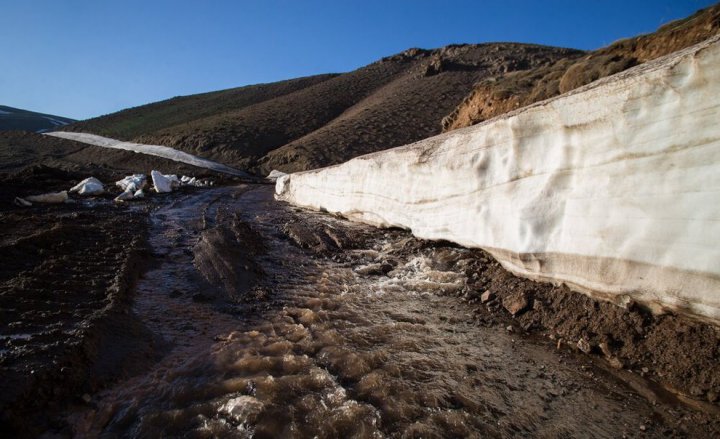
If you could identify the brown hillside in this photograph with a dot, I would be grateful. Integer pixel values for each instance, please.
(133, 122)
(410, 107)
(324, 120)
(498, 95)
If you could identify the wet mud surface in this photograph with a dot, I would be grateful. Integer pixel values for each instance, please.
(256, 319)
(66, 274)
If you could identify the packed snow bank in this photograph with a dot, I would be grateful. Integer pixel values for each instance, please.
(613, 189)
(156, 150)
(48, 198)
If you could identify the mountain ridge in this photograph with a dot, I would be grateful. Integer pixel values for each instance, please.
(17, 119)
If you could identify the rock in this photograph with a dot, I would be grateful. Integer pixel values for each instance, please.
(584, 345)
(437, 65)
(616, 363)
(516, 303)
(375, 269)
(605, 349)
(242, 409)
(486, 296)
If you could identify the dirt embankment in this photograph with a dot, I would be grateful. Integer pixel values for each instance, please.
(503, 93)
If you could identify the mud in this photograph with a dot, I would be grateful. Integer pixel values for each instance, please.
(251, 318)
(66, 273)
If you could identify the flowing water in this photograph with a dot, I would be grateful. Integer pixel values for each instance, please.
(330, 345)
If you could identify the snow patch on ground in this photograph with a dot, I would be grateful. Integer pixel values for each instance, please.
(156, 150)
(612, 189)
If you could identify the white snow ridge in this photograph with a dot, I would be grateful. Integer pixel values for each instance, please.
(613, 189)
(156, 150)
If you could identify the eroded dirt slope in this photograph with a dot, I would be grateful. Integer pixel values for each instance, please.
(178, 111)
(494, 96)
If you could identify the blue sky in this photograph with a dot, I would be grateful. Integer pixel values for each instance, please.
(84, 58)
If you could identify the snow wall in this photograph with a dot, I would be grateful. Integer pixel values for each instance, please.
(613, 189)
(156, 150)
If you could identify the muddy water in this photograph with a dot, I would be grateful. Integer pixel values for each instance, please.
(336, 348)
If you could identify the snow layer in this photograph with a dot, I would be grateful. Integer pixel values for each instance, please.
(156, 150)
(613, 189)
(50, 197)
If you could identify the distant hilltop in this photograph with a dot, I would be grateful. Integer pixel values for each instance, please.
(15, 119)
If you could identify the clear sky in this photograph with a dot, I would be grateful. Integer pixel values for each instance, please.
(84, 58)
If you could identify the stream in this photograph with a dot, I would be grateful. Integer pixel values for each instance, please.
(363, 340)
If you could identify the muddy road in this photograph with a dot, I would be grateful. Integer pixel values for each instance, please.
(270, 321)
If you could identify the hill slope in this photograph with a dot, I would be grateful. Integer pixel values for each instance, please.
(495, 96)
(15, 119)
(322, 120)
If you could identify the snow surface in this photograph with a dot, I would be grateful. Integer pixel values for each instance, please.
(156, 150)
(132, 183)
(275, 174)
(164, 183)
(50, 197)
(89, 186)
(613, 189)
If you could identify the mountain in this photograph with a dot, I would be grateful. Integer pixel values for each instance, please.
(316, 121)
(498, 95)
(322, 120)
(15, 119)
